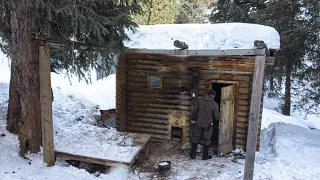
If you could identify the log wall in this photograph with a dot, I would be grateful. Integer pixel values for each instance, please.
(155, 110)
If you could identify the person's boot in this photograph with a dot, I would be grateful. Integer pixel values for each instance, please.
(193, 151)
(206, 153)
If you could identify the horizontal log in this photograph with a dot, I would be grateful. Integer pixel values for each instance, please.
(185, 68)
(143, 67)
(206, 77)
(245, 128)
(243, 90)
(205, 87)
(155, 110)
(195, 62)
(137, 84)
(170, 57)
(243, 102)
(242, 125)
(156, 91)
(244, 114)
(148, 120)
(158, 101)
(169, 86)
(148, 125)
(244, 141)
(242, 119)
(243, 136)
(242, 78)
(159, 137)
(241, 142)
(144, 79)
(239, 146)
(179, 75)
(160, 106)
(226, 77)
(238, 67)
(147, 130)
(242, 130)
(143, 62)
(243, 96)
(244, 84)
(158, 95)
(243, 108)
(153, 57)
(147, 115)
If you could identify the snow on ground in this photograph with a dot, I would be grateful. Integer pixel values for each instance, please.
(101, 92)
(75, 131)
(203, 36)
(14, 167)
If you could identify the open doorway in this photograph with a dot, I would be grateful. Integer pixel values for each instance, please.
(222, 138)
(217, 87)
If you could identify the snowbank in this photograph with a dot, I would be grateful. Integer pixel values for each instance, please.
(270, 116)
(293, 143)
(203, 36)
(101, 92)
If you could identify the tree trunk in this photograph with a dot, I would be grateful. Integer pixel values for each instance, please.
(271, 82)
(14, 108)
(287, 94)
(24, 103)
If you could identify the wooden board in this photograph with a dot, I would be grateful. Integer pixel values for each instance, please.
(226, 120)
(46, 105)
(140, 140)
(255, 105)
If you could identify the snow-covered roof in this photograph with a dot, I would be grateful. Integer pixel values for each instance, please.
(203, 36)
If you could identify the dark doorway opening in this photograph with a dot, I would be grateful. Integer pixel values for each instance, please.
(217, 87)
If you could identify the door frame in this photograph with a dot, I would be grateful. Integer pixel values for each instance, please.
(236, 83)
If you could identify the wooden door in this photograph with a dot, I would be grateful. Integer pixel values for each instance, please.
(226, 120)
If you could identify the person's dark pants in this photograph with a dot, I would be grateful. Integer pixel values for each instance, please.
(205, 133)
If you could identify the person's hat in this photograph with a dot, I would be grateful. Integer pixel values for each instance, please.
(212, 93)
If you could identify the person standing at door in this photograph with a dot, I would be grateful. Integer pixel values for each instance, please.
(206, 113)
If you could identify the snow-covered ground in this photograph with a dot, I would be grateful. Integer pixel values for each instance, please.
(289, 148)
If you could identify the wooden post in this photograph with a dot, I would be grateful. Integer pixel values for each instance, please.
(46, 105)
(254, 116)
(121, 78)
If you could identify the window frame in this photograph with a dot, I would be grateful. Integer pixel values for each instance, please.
(149, 81)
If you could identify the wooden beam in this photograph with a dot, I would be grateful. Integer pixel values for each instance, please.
(224, 71)
(211, 52)
(122, 93)
(46, 105)
(91, 159)
(254, 116)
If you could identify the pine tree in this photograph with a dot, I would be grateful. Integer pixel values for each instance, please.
(191, 11)
(287, 17)
(235, 11)
(87, 29)
(157, 12)
(308, 100)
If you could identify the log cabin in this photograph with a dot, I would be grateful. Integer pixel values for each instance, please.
(156, 89)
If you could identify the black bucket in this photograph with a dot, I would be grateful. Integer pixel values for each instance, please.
(165, 168)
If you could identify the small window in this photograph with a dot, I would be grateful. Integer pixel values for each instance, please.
(155, 82)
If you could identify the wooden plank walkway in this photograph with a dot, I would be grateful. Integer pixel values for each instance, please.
(139, 140)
